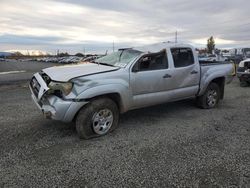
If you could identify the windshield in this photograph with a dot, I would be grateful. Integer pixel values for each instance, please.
(120, 58)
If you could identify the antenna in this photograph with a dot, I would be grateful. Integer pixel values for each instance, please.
(176, 34)
(113, 46)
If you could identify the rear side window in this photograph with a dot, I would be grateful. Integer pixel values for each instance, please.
(182, 57)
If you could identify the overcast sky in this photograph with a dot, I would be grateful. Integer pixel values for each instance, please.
(93, 25)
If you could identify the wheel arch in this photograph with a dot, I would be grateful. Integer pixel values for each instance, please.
(116, 97)
(220, 81)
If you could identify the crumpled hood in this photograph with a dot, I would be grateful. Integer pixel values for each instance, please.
(67, 72)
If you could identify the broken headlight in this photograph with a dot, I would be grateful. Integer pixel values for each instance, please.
(63, 87)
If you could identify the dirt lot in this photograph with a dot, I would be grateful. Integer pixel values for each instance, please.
(169, 145)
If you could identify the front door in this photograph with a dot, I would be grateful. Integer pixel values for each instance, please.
(150, 79)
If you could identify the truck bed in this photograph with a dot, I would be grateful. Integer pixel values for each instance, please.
(218, 69)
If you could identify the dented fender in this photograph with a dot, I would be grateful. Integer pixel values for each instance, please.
(122, 90)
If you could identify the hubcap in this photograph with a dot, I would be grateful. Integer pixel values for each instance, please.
(212, 98)
(102, 121)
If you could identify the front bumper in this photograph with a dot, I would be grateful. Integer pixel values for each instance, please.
(244, 76)
(52, 106)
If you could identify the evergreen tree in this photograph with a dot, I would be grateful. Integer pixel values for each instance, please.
(210, 45)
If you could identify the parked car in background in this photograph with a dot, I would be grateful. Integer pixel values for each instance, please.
(243, 72)
(210, 57)
(235, 58)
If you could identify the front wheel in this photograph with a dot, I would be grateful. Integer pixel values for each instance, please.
(210, 98)
(97, 118)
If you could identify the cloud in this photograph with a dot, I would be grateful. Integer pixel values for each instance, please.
(28, 40)
(72, 24)
(219, 41)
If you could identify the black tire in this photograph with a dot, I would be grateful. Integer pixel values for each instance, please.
(85, 118)
(244, 83)
(204, 101)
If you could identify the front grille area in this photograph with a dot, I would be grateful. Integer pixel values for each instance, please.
(35, 86)
(241, 69)
(247, 65)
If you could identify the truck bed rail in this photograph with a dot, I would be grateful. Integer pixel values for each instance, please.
(207, 63)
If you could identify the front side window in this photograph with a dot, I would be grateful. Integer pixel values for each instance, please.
(182, 57)
(153, 61)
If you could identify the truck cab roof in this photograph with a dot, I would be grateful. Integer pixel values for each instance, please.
(152, 48)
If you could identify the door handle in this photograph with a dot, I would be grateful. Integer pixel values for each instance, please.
(167, 76)
(194, 72)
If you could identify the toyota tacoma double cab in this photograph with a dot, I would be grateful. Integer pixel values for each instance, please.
(94, 94)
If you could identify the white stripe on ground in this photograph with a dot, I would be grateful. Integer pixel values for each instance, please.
(12, 72)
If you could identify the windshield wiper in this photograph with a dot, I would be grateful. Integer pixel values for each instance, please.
(100, 63)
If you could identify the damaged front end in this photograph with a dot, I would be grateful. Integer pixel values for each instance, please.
(49, 96)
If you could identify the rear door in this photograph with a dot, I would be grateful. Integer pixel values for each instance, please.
(186, 74)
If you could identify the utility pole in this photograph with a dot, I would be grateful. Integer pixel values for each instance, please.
(113, 46)
(83, 50)
(176, 34)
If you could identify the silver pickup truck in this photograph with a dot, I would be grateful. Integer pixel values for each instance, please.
(94, 94)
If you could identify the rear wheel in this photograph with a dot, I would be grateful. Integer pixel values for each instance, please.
(210, 98)
(98, 118)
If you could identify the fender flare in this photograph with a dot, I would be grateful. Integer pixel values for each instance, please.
(107, 89)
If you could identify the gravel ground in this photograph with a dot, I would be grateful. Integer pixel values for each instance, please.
(171, 145)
